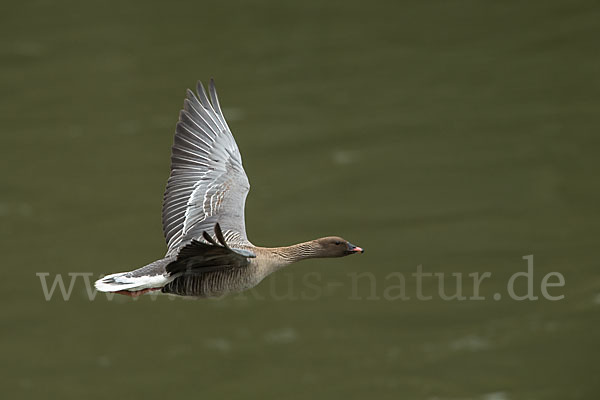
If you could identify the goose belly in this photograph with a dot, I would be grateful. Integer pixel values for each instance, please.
(214, 283)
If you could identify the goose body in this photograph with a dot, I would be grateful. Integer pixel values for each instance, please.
(209, 254)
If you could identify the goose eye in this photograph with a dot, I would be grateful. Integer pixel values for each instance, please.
(338, 243)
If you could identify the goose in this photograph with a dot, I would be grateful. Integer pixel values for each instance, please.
(208, 252)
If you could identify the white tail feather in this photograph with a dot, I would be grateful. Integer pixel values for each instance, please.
(120, 281)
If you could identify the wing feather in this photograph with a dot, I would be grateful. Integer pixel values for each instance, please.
(207, 184)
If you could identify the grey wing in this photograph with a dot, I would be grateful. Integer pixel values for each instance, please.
(208, 183)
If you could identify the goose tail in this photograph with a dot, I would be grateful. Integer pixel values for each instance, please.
(142, 280)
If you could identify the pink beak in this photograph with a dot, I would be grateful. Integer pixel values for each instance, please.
(356, 249)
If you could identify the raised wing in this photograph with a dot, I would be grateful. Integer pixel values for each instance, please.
(208, 184)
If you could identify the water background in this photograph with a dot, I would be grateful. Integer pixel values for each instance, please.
(460, 136)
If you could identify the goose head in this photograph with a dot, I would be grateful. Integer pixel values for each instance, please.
(335, 246)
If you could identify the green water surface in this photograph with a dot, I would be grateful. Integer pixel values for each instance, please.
(456, 135)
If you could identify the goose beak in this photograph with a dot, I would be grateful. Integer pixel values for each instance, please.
(355, 249)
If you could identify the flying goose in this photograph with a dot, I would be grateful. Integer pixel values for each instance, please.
(209, 254)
